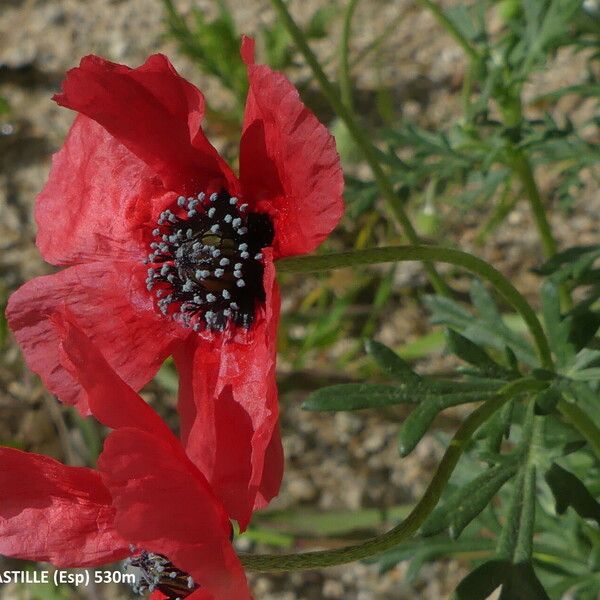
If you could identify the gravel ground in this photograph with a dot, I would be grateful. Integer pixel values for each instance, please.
(333, 462)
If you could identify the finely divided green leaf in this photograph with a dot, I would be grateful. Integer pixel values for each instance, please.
(438, 394)
(356, 396)
(519, 582)
(557, 328)
(473, 354)
(568, 491)
(463, 505)
(486, 329)
(389, 362)
(546, 400)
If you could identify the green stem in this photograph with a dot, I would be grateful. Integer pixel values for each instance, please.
(345, 79)
(361, 138)
(582, 422)
(326, 262)
(451, 28)
(460, 440)
(520, 163)
(524, 171)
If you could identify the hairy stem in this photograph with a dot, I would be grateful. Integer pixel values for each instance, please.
(512, 112)
(360, 137)
(326, 262)
(460, 440)
(524, 171)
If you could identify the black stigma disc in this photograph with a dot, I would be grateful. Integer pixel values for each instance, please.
(205, 265)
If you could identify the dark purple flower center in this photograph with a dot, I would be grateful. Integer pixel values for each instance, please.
(205, 265)
(156, 572)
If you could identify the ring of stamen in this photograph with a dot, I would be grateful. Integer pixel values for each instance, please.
(206, 267)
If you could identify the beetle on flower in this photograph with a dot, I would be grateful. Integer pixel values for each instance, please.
(169, 253)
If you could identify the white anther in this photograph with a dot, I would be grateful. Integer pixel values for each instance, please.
(257, 256)
(201, 196)
(188, 286)
(171, 278)
(188, 234)
(243, 207)
(197, 299)
(213, 197)
(236, 222)
(243, 247)
(210, 297)
(181, 201)
(211, 211)
(153, 245)
(227, 312)
(237, 266)
(216, 252)
(244, 255)
(233, 200)
(156, 232)
(190, 582)
(215, 228)
(240, 283)
(149, 286)
(219, 272)
(201, 274)
(234, 306)
(227, 218)
(165, 237)
(164, 269)
(242, 230)
(173, 574)
(172, 218)
(237, 274)
(226, 294)
(196, 246)
(224, 262)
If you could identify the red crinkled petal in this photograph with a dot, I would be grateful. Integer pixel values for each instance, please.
(289, 166)
(272, 471)
(110, 303)
(53, 513)
(164, 505)
(228, 409)
(155, 113)
(96, 199)
(110, 399)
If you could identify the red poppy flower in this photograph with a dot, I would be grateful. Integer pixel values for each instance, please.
(169, 253)
(146, 493)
